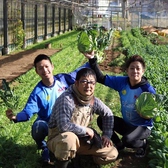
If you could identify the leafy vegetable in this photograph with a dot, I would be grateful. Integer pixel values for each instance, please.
(93, 38)
(85, 43)
(147, 104)
(8, 97)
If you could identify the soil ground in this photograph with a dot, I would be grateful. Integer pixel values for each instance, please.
(14, 65)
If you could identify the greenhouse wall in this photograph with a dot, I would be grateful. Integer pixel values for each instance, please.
(23, 23)
(127, 18)
(142, 16)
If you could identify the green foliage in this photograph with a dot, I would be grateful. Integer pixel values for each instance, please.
(18, 34)
(93, 38)
(155, 56)
(147, 104)
(159, 141)
(119, 61)
(8, 97)
(85, 43)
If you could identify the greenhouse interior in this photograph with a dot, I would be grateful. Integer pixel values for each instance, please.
(118, 13)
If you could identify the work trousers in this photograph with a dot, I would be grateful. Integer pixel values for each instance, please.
(131, 136)
(39, 133)
(66, 145)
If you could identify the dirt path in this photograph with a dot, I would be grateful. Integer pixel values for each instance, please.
(14, 65)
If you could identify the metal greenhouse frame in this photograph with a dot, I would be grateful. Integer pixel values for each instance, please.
(25, 22)
(33, 20)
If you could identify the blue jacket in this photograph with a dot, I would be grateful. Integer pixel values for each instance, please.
(128, 96)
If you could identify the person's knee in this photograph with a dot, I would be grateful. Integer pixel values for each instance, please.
(69, 141)
(39, 130)
(64, 146)
(127, 141)
(107, 158)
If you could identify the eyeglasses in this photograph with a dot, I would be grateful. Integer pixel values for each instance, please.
(85, 82)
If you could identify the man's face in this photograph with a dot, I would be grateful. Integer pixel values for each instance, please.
(135, 72)
(44, 69)
(86, 85)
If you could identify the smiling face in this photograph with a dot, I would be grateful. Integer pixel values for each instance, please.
(86, 85)
(135, 72)
(44, 69)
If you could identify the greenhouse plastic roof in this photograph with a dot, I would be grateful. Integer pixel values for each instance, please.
(159, 4)
(69, 3)
(150, 5)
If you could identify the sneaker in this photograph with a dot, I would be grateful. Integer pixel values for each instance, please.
(45, 155)
(141, 152)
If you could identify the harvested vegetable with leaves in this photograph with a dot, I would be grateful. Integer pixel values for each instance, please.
(93, 38)
(147, 104)
(8, 97)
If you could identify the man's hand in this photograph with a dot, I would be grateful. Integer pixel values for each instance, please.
(106, 141)
(89, 55)
(10, 115)
(90, 132)
(95, 138)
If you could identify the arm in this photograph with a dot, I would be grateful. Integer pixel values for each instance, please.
(99, 75)
(19, 117)
(95, 67)
(11, 116)
(30, 108)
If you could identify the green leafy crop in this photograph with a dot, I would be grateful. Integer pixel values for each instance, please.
(8, 97)
(93, 38)
(147, 104)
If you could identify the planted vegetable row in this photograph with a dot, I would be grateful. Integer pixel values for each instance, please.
(156, 59)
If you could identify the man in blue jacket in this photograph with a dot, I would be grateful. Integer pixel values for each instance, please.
(42, 99)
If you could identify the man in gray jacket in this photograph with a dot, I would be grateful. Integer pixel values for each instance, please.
(71, 115)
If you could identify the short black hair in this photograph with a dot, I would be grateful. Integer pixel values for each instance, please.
(41, 57)
(134, 58)
(85, 72)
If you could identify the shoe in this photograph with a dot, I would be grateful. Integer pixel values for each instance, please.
(45, 155)
(141, 152)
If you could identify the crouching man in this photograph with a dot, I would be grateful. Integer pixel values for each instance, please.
(69, 123)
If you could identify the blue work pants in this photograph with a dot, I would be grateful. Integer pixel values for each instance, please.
(39, 133)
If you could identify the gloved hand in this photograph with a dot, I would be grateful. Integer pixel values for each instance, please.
(95, 141)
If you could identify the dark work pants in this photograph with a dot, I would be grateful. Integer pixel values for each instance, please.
(39, 133)
(131, 136)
